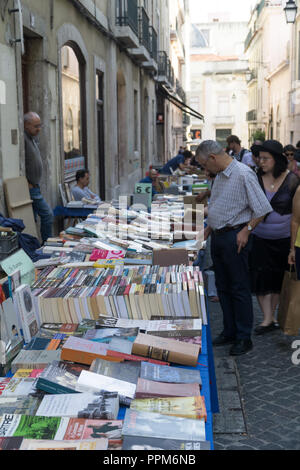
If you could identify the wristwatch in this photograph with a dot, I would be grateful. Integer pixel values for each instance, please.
(250, 228)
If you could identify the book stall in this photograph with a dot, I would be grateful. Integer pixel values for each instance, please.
(105, 345)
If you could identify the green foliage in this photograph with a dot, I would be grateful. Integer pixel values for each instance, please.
(258, 134)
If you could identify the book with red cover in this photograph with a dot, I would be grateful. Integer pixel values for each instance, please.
(84, 351)
(149, 389)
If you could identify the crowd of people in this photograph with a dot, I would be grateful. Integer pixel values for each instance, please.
(254, 225)
(253, 221)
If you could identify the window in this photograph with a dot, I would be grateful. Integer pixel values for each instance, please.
(74, 135)
(221, 136)
(223, 106)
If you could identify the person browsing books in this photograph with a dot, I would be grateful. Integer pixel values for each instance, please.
(180, 162)
(237, 205)
(272, 238)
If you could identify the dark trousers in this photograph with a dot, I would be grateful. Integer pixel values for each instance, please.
(41, 208)
(233, 284)
(298, 262)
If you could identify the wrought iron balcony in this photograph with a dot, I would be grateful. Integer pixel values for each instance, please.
(162, 63)
(154, 43)
(127, 22)
(180, 91)
(144, 29)
(251, 115)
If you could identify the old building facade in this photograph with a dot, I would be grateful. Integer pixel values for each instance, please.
(273, 49)
(92, 70)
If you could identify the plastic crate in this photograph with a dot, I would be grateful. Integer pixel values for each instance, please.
(8, 245)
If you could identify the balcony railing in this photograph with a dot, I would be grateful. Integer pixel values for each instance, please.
(154, 43)
(144, 27)
(127, 14)
(171, 74)
(251, 115)
(180, 91)
(162, 63)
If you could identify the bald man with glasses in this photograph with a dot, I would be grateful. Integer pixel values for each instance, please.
(34, 170)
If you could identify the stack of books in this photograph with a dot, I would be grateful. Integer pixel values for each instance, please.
(68, 295)
(74, 401)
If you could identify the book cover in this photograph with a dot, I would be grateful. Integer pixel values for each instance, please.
(60, 377)
(34, 359)
(175, 328)
(103, 405)
(104, 335)
(36, 444)
(3, 382)
(129, 372)
(10, 443)
(84, 351)
(152, 443)
(144, 424)
(90, 382)
(149, 389)
(19, 386)
(166, 349)
(19, 405)
(185, 407)
(169, 374)
(28, 314)
(58, 429)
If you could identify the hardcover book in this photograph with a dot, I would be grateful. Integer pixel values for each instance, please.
(59, 429)
(152, 443)
(175, 328)
(59, 377)
(104, 335)
(104, 405)
(144, 424)
(183, 407)
(148, 389)
(166, 349)
(169, 374)
(129, 372)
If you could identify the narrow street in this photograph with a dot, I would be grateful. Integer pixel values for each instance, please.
(268, 385)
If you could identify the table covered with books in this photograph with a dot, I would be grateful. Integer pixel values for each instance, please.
(110, 353)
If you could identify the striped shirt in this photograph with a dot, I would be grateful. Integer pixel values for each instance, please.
(236, 197)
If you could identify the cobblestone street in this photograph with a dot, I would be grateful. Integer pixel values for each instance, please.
(268, 385)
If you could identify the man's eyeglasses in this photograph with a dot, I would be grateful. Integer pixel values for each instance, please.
(289, 154)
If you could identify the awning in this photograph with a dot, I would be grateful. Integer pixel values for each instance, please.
(180, 104)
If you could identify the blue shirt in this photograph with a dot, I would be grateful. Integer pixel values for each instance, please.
(79, 193)
(173, 163)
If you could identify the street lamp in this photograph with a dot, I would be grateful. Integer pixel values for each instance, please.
(290, 11)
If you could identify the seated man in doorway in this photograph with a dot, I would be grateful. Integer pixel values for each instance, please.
(81, 189)
(181, 162)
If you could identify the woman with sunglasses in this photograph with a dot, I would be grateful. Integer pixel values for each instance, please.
(289, 151)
